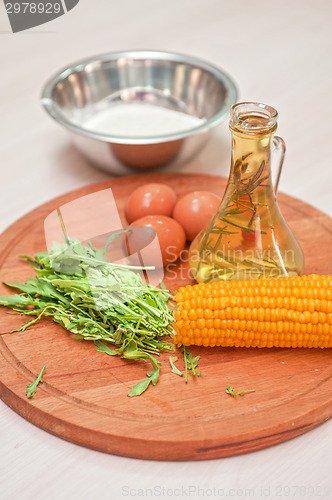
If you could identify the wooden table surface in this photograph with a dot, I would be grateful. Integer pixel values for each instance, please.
(278, 52)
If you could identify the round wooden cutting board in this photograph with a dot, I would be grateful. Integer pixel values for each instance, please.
(84, 395)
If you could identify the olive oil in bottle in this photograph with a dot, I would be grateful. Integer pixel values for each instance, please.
(248, 237)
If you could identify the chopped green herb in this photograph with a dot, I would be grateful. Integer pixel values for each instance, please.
(229, 390)
(97, 300)
(32, 388)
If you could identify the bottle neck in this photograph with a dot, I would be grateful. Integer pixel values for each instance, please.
(250, 173)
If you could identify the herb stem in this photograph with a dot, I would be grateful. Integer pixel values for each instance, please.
(105, 263)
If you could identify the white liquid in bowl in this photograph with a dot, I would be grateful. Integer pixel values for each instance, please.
(141, 120)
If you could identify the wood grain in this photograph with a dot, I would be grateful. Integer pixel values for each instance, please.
(84, 395)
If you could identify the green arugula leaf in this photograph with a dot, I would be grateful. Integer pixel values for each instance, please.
(115, 235)
(32, 388)
(153, 378)
(14, 301)
(229, 390)
(104, 348)
(139, 388)
(27, 288)
(190, 363)
(175, 370)
(154, 375)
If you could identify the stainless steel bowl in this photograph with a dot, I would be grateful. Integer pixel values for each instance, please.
(75, 96)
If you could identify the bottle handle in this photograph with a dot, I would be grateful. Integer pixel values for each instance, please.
(278, 145)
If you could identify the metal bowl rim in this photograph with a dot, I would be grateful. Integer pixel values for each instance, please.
(48, 103)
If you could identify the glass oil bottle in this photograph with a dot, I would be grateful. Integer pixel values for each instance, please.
(248, 237)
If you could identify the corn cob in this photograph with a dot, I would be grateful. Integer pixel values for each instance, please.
(284, 312)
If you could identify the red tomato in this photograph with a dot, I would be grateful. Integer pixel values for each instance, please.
(150, 199)
(195, 210)
(171, 235)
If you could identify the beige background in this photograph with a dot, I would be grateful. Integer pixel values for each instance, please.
(278, 52)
